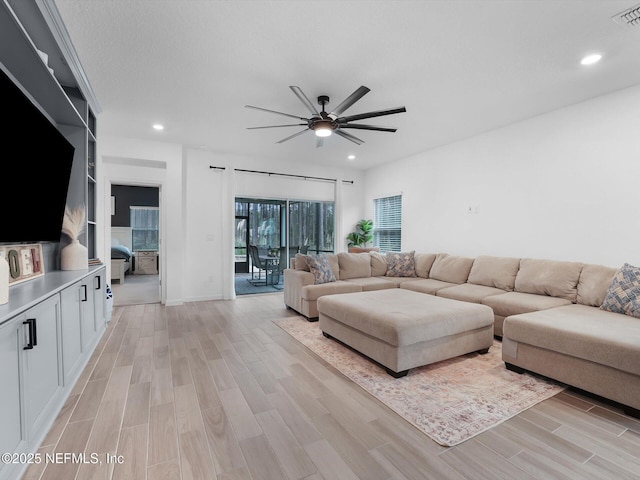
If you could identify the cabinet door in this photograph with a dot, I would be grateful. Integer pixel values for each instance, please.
(43, 378)
(12, 435)
(88, 317)
(71, 331)
(99, 299)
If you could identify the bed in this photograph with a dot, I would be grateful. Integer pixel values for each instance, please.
(121, 256)
(120, 262)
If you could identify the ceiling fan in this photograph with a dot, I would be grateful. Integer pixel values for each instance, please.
(324, 124)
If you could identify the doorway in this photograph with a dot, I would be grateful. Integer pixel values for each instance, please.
(136, 229)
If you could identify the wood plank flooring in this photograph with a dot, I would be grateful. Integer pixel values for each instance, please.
(214, 390)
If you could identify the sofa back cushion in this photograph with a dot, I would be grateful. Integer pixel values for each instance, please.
(378, 264)
(497, 272)
(354, 265)
(451, 268)
(301, 263)
(424, 262)
(593, 284)
(548, 277)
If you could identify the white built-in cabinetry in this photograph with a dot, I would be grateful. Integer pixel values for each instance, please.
(43, 349)
(52, 324)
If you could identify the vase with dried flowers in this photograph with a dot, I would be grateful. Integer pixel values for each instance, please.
(74, 255)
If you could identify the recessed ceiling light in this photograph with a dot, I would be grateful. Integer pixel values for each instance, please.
(158, 126)
(351, 157)
(591, 59)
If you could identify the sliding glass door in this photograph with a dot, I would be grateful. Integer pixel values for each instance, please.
(311, 226)
(281, 228)
(260, 223)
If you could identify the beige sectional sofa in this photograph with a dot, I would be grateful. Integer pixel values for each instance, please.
(546, 312)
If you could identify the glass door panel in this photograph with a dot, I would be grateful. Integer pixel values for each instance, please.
(241, 253)
(311, 226)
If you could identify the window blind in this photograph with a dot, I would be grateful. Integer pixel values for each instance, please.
(387, 223)
(145, 227)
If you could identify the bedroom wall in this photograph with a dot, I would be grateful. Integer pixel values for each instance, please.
(197, 205)
(561, 185)
(128, 195)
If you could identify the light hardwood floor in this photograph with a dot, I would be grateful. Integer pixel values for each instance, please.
(214, 390)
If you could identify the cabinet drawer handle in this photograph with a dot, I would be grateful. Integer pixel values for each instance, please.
(84, 287)
(33, 333)
(99, 282)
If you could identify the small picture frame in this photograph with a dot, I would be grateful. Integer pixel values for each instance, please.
(25, 262)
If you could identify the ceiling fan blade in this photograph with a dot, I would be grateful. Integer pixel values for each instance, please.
(377, 113)
(276, 126)
(368, 127)
(350, 100)
(293, 136)
(303, 98)
(319, 142)
(348, 136)
(273, 111)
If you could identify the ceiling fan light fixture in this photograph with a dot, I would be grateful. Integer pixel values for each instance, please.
(323, 127)
(591, 59)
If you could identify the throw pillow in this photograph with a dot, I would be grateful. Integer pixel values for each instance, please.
(401, 264)
(623, 295)
(321, 268)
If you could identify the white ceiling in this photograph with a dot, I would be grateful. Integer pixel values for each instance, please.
(459, 67)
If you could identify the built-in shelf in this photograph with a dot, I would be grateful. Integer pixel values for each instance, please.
(20, 56)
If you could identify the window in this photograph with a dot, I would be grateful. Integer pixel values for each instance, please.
(144, 228)
(387, 223)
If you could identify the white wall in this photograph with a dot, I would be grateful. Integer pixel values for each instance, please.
(563, 186)
(197, 205)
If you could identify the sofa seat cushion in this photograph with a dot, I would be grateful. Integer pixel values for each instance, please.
(468, 292)
(514, 303)
(400, 317)
(589, 333)
(397, 281)
(311, 293)
(372, 283)
(426, 285)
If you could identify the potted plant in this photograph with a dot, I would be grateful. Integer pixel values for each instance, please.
(357, 240)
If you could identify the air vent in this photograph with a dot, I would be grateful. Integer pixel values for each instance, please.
(629, 18)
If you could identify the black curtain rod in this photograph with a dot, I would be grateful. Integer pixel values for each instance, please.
(305, 177)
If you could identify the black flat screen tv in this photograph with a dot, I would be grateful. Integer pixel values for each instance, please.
(35, 168)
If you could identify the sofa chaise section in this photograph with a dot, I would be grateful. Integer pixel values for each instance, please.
(582, 346)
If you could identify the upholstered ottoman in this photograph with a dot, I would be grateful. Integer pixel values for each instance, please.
(401, 329)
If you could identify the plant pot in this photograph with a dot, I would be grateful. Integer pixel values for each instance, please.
(74, 257)
(363, 249)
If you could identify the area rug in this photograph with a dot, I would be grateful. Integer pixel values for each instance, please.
(450, 401)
